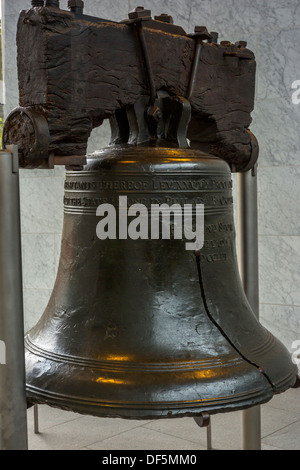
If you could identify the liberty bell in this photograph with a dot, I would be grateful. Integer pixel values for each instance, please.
(141, 327)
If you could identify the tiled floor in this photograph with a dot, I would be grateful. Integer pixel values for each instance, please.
(64, 430)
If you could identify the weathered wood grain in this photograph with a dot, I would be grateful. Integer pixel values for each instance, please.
(79, 72)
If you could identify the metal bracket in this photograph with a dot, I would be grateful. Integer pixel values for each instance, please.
(136, 19)
(36, 419)
(34, 139)
(203, 421)
(167, 125)
(200, 34)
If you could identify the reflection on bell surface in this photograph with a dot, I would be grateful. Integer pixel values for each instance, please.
(145, 328)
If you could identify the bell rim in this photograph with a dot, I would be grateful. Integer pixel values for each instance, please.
(152, 410)
(112, 394)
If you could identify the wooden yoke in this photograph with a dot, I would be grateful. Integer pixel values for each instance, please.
(75, 71)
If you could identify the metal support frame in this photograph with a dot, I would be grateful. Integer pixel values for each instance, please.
(209, 437)
(200, 421)
(248, 262)
(204, 421)
(13, 406)
(36, 419)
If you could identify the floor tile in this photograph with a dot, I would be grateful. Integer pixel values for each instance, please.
(75, 433)
(49, 417)
(267, 447)
(182, 428)
(274, 419)
(60, 429)
(143, 438)
(287, 438)
(290, 401)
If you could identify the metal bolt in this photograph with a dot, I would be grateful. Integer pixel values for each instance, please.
(165, 18)
(202, 33)
(76, 6)
(200, 29)
(37, 3)
(225, 43)
(203, 420)
(239, 54)
(139, 12)
(241, 44)
(154, 113)
(52, 3)
(214, 37)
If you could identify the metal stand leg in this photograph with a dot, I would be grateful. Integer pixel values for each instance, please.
(36, 419)
(204, 421)
(248, 260)
(209, 436)
(13, 406)
(251, 424)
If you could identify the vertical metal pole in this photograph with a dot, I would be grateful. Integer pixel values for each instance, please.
(36, 419)
(248, 260)
(209, 436)
(13, 409)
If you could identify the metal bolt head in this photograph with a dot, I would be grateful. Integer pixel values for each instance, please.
(138, 12)
(241, 44)
(200, 29)
(52, 3)
(225, 43)
(214, 37)
(154, 113)
(75, 4)
(165, 18)
(201, 32)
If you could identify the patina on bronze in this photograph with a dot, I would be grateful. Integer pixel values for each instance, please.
(142, 329)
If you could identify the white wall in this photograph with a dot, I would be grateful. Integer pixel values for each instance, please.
(272, 29)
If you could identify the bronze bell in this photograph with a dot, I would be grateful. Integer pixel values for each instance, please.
(144, 328)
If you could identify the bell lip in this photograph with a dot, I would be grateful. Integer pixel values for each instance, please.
(281, 386)
(85, 405)
(152, 411)
(56, 390)
(152, 394)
